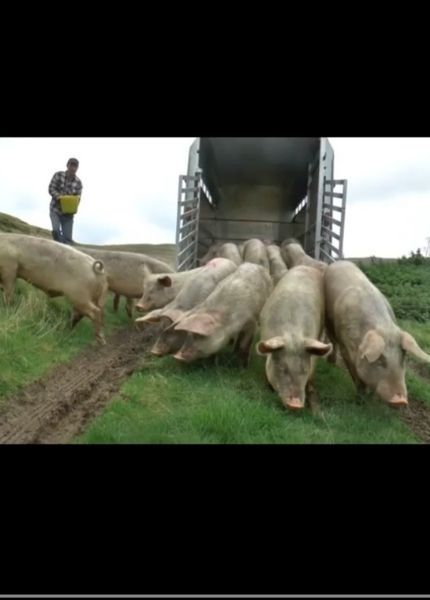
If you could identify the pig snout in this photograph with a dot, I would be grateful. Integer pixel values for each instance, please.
(160, 349)
(184, 356)
(157, 351)
(393, 395)
(293, 403)
(398, 400)
(142, 307)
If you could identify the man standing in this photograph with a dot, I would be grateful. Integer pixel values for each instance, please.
(63, 183)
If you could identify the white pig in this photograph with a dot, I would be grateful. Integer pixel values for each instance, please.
(361, 320)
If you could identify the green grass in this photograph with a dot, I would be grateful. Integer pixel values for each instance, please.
(34, 331)
(407, 286)
(418, 387)
(171, 403)
(35, 335)
(168, 402)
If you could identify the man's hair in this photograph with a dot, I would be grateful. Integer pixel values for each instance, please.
(73, 161)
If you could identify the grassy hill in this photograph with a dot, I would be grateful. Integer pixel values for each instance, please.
(10, 224)
(165, 252)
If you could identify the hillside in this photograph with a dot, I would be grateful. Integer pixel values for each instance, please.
(165, 252)
(10, 224)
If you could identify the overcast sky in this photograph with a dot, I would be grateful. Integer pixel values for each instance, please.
(130, 188)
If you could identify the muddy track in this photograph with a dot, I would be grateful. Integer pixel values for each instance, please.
(417, 417)
(58, 406)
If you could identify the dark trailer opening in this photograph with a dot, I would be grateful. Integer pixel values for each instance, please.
(268, 188)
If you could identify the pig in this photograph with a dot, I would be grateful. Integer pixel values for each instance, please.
(254, 251)
(292, 323)
(230, 312)
(193, 293)
(58, 270)
(294, 255)
(277, 266)
(161, 288)
(360, 319)
(230, 251)
(124, 273)
(210, 254)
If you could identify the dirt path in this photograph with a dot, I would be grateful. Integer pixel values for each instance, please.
(58, 406)
(417, 417)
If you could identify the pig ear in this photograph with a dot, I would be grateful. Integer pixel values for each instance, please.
(200, 323)
(268, 346)
(372, 346)
(409, 344)
(165, 281)
(318, 348)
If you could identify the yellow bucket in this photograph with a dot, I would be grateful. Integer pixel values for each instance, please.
(69, 204)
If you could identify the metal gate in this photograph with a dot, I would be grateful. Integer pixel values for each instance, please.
(325, 208)
(332, 220)
(187, 222)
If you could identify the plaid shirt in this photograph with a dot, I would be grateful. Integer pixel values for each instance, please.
(60, 186)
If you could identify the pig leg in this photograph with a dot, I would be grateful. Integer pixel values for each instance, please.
(244, 342)
(129, 307)
(76, 317)
(94, 313)
(99, 300)
(312, 397)
(361, 388)
(332, 358)
(8, 278)
(116, 299)
(329, 337)
(350, 368)
(98, 325)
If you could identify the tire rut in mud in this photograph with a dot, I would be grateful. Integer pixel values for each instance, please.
(417, 414)
(58, 406)
(417, 417)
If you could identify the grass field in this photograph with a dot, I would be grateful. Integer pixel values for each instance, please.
(35, 335)
(168, 402)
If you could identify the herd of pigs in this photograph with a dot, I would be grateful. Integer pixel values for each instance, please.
(302, 308)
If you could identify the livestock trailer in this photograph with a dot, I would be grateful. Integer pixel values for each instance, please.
(268, 188)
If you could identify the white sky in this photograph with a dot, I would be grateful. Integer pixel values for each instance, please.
(130, 188)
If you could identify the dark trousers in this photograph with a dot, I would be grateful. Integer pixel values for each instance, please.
(62, 227)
